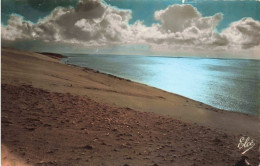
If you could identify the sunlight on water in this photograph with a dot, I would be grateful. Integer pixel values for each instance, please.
(227, 84)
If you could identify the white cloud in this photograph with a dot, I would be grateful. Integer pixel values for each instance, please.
(17, 28)
(176, 18)
(94, 23)
(91, 22)
(183, 25)
(244, 33)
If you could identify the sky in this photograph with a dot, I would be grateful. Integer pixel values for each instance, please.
(161, 27)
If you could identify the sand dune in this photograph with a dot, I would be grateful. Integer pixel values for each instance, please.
(63, 115)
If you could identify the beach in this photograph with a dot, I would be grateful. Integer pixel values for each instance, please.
(58, 114)
(228, 84)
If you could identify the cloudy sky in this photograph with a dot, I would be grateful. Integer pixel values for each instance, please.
(132, 26)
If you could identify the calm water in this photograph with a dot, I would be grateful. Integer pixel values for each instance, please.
(226, 84)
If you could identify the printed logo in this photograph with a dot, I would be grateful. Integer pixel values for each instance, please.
(245, 144)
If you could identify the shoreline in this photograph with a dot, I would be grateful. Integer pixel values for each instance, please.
(184, 97)
(79, 113)
(121, 78)
(143, 97)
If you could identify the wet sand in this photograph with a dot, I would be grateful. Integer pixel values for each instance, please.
(55, 114)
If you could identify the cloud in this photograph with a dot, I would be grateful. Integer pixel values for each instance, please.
(184, 25)
(177, 18)
(95, 23)
(244, 33)
(17, 28)
(90, 22)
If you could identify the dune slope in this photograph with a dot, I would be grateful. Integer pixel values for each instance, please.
(56, 114)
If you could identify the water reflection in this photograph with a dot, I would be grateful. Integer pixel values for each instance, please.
(226, 84)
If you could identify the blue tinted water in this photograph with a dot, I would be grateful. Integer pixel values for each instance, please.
(226, 84)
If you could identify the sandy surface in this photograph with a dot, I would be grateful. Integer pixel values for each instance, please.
(55, 114)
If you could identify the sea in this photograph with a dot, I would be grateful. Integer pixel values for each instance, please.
(229, 84)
